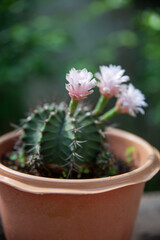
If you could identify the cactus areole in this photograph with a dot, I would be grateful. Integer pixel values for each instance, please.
(70, 139)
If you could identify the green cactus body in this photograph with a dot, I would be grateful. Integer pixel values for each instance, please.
(33, 127)
(89, 131)
(55, 137)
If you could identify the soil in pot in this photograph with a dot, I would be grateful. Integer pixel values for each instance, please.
(107, 165)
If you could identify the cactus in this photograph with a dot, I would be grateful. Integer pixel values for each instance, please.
(63, 140)
(55, 137)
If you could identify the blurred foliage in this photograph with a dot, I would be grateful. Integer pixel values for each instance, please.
(41, 40)
(149, 54)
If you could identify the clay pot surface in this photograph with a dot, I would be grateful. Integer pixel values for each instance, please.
(41, 208)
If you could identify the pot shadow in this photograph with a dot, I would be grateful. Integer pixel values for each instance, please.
(149, 237)
(2, 237)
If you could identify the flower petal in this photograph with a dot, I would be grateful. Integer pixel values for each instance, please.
(111, 79)
(80, 83)
(130, 100)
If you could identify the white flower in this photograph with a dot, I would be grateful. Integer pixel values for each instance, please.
(130, 100)
(80, 83)
(110, 80)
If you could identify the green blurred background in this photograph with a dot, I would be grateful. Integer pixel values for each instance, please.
(41, 40)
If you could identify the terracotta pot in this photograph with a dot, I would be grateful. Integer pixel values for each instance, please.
(96, 209)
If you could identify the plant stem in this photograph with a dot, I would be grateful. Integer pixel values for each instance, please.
(72, 106)
(100, 105)
(111, 113)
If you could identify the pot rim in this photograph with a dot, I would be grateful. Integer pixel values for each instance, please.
(43, 185)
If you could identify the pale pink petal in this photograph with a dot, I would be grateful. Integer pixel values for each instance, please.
(80, 83)
(111, 77)
(130, 100)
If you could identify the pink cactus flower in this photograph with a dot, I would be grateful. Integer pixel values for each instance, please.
(130, 100)
(80, 83)
(111, 79)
